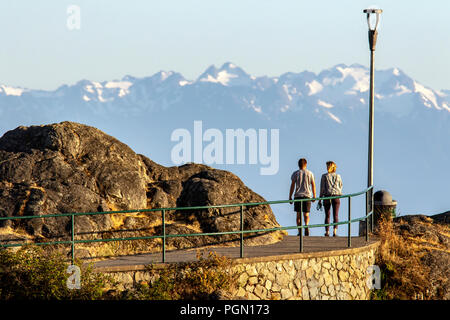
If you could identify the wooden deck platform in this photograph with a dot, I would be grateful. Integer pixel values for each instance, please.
(288, 246)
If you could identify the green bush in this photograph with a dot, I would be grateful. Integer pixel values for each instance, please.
(35, 273)
(206, 278)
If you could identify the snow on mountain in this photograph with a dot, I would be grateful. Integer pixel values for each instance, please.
(341, 87)
(314, 87)
(228, 75)
(11, 91)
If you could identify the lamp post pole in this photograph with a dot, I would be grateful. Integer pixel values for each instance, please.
(373, 34)
(371, 119)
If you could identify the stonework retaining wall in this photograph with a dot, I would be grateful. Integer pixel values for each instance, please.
(339, 274)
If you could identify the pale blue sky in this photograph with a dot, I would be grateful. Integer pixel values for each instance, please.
(264, 37)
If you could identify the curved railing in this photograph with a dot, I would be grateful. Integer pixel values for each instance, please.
(369, 214)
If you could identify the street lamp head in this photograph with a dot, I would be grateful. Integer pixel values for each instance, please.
(373, 18)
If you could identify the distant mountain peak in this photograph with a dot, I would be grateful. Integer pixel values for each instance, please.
(12, 91)
(345, 87)
(228, 65)
(229, 74)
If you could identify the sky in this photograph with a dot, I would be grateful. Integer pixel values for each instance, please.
(264, 37)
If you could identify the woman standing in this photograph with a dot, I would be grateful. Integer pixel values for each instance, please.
(331, 185)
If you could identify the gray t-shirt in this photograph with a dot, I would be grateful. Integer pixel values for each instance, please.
(303, 180)
(330, 185)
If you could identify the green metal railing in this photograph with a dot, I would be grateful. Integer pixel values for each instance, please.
(368, 214)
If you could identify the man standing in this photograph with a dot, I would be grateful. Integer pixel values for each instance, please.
(302, 181)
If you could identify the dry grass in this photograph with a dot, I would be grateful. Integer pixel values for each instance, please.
(404, 274)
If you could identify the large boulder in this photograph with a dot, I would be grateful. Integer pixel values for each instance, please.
(70, 167)
(193, 185)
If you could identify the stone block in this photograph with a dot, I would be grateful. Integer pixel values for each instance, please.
(328, 279)
(353, 264)
(297, 283)
(324, 289)
(331, 290)
(241, 292)
(268, 284)
(275, 296)
(343, 276)
(263, 271)
(279, 267)
(304, 264)
(333, 262)
(303, 282)
(251, 271)
(252, 280)
(312, 283)
(282, 279)
(271, 266)
(321, 280)
(260, 291)
(243, 279)
(353, 292)
(345, 286)
(313, 293)
(334, 273)
(276, 287)
(305, 293)
(285, 294)
(249, 288)
(317, 267)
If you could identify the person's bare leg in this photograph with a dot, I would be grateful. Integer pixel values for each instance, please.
(306, 217)
(299, 222)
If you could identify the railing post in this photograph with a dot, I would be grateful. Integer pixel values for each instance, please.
(73, 237)
(301, 224)
(349, 222)
(371, 209)
(241, 252)
(367, 218)
(163, 213)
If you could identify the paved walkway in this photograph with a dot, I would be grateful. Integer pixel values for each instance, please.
(288, 246)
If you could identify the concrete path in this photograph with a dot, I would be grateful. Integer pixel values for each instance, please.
(288, 246)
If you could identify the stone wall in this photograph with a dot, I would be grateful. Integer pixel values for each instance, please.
(317, 277)
(339, 274)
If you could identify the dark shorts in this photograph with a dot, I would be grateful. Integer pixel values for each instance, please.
(306, 205)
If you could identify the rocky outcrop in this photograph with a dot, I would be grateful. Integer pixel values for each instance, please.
(67, 167)
(431, 237)
(70, 167)
(198, 185)
(414, 255)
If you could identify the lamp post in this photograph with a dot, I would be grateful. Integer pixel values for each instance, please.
(373, 19)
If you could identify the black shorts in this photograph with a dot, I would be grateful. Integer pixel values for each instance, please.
(306, 205)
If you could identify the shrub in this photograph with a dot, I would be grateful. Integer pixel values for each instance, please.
(35, 273)
(207, 278)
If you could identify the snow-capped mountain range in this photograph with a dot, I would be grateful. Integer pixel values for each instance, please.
(328, 93)
(319, 116)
